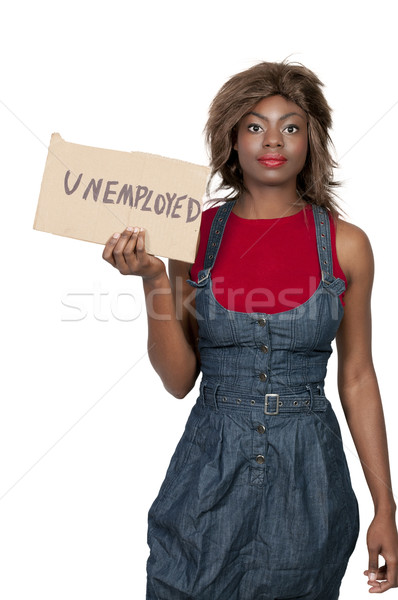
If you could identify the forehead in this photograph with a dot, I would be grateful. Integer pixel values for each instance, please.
(275, 106)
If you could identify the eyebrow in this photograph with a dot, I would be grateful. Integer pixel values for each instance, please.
(282, 118)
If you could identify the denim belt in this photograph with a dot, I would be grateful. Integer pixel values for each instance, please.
(306, 399)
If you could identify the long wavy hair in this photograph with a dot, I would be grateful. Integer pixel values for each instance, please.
(237, 97)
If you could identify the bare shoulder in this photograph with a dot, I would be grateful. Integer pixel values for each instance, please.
(354, 251)
(349, 235)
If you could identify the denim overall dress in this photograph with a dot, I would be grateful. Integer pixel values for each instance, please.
(257, 503)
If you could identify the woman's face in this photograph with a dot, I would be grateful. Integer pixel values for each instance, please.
(272, 142)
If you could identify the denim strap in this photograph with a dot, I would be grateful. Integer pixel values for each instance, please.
(215, 236)
(324, 244)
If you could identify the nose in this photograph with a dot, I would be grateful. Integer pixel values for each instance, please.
(273, 138)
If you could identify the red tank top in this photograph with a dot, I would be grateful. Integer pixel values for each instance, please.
(265, 265)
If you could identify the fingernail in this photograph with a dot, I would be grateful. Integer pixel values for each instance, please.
(372, 576)
(136, 230)
(129, 228)
(141, 229)
(116, 235)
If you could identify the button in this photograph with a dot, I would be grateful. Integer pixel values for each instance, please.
(264, 348)
(263, 377)
(260, 429)
(261, 322)
(260, 459)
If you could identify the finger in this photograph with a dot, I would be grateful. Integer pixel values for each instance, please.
(134, 252)
(379, 588)
(130, 248)
(380, 573)
(118, 251)
(141, 242)
(390, 577)
(141, 253)
(373, 564)
(384, 580)
(109, 247)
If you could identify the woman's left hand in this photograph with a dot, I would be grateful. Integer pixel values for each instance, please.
(382, 538)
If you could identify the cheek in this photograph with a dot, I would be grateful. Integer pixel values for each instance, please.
(246, 144)
(238, 138)
(302, 150)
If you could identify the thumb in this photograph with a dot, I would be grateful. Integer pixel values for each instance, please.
(373, 564)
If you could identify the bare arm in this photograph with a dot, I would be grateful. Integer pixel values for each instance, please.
(360, 398)
(171, 336)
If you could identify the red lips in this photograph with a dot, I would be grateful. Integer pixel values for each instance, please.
(272, 160)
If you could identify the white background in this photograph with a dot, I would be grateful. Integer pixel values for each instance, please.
(86, 428)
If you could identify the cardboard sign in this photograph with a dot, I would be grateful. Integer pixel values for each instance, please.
(90, 193)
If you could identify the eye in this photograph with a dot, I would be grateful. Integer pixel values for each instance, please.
(291, 128)
(254, 128)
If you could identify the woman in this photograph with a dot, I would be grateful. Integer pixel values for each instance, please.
(257, 501)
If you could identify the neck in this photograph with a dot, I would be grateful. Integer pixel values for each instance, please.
(272, 203)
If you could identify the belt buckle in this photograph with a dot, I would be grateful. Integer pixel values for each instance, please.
(266, 412)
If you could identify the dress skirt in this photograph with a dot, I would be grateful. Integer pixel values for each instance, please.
(254, 506)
